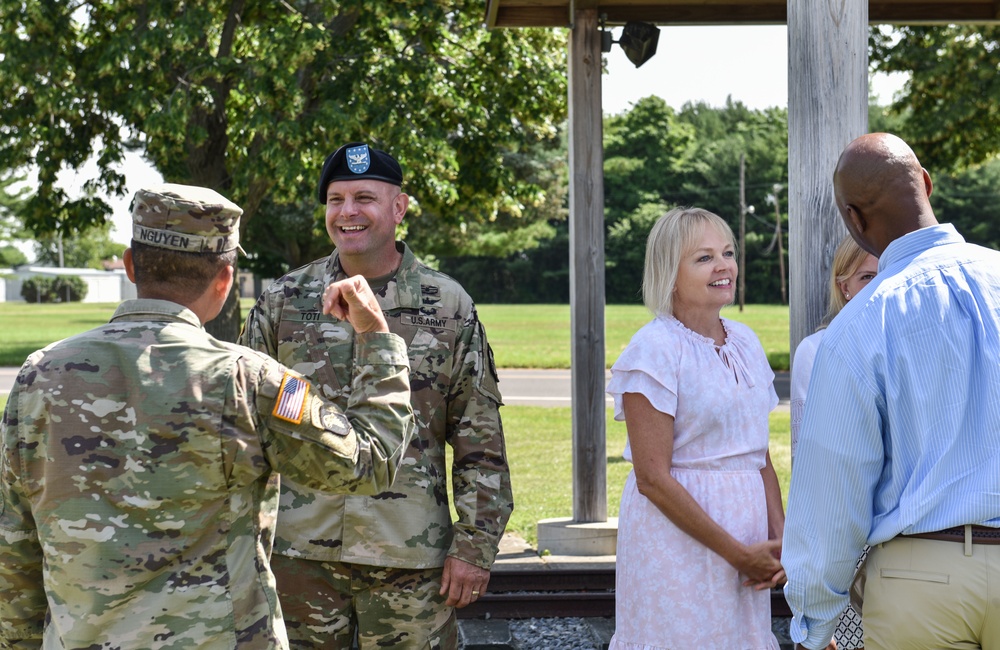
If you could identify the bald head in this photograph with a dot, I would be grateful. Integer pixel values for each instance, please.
(881, 190)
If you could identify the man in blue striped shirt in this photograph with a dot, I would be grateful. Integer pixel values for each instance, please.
(900, 446)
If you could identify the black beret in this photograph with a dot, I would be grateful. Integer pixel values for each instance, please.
(356, 160)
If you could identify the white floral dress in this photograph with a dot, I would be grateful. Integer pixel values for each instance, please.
(672, 591)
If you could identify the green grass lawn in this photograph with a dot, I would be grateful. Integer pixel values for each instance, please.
(528, 336)
(522, 336)
(539, 449)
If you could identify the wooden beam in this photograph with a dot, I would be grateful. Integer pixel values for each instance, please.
(557, 13)
(827, 108)
(532, 17)
(698, 14)
(932, 12)
(492, 7)
(586, 268)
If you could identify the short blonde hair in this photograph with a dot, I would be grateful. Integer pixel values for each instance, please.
(847, 259)
(670, 238)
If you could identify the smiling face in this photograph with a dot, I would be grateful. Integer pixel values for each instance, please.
(706, 276)
(361, 219)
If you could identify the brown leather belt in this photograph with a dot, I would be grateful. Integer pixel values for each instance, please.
(980, 535)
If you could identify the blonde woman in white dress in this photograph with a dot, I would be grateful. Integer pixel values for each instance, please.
(701, 519)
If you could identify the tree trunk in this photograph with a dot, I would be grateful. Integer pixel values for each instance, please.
(226, 326)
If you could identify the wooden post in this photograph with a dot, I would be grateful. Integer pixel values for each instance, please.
(827, 108)
(586, 267)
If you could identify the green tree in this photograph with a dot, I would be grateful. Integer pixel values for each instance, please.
(646, 150)
(953, 92)
(12, 200)
(248, 98)
(85, 250)
(11, 256)
(970, 199)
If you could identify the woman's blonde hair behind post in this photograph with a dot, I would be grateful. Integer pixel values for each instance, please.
(847, 259)
(669, 239)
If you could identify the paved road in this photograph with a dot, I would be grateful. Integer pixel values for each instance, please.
(553, 387)
(519, 387)
(7, 377)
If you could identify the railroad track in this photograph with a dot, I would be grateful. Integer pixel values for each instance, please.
(560, 593)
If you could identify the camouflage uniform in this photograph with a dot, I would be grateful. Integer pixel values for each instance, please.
(139, 479)
(455, 400)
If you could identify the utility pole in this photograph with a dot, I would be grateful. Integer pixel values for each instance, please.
(777, 233)
(744, 211)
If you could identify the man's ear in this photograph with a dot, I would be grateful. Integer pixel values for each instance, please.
(399, 207)
(129, 264)
(223, 281)
(856, 221)
(928, 184)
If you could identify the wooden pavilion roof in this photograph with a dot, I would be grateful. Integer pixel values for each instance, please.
(556, 13)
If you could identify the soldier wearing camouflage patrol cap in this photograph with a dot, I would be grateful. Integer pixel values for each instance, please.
(393, 567)
(139, 461)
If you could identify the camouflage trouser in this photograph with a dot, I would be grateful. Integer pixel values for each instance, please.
(325, 603)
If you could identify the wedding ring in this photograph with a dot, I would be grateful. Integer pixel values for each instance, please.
(475, 593)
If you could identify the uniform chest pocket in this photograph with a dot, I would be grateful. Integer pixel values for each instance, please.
(319, 348)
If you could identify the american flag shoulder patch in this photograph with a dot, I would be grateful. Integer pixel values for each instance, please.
(291, 398)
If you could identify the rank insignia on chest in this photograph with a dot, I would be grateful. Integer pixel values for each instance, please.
(291, 398)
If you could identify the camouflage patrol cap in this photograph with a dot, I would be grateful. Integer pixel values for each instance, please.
(358, 161)
(186, 218)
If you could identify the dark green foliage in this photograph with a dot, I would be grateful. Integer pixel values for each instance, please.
(655, 159)
(249, 97)
(11, 256)
(953, 95)
(971, 201)
(62, 288)
(539, 275)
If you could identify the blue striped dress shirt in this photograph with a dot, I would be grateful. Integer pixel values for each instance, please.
(901, 432)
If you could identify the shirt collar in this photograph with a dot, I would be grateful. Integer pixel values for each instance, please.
(402, 291)
(146, 309)
(912, 244)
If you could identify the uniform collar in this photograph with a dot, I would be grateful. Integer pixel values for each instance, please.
(145, 309)
(402, 291)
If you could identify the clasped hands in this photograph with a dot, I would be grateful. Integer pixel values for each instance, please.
(761, 564)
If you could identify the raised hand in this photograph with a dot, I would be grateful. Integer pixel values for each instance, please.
(352, 300)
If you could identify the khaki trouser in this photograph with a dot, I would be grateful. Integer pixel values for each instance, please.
(325, 604)
(929, 594)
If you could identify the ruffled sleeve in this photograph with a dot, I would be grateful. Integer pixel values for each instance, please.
(646, 368)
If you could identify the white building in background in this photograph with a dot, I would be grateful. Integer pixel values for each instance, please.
(102, 286)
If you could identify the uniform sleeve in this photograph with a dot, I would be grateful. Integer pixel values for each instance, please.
(23, 605)
(480, 475)
(314, 443)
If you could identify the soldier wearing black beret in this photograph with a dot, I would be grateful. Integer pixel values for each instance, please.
(355, 161)
(394, 567)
